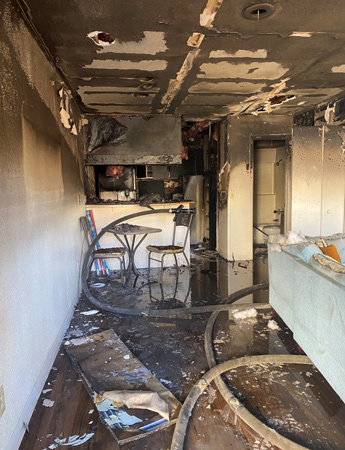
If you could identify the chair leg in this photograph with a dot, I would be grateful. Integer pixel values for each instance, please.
(185, 256)
(177, 271)
(122, 269)
(149, 266)
(162, 265)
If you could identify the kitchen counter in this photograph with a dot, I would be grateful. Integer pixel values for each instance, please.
(104, 214)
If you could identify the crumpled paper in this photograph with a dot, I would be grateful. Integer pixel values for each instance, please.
(138, 399)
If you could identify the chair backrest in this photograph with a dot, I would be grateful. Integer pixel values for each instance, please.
(182, 219)
(86, 228)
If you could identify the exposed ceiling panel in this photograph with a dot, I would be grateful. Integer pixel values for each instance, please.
(204, 59)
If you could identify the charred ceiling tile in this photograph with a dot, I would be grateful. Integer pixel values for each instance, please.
(227, 87)
(314, 92)
(195, 40)
(279, 99)
(209, 13)
(152, 43)
(113, 64)
(213, 99)
(260, 102)
(86, 91)
(254, 70)
(120, 109)
(101, 38)
(256, 54)
(118, 98)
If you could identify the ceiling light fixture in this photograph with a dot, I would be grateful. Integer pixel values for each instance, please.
(258, 11)
(101, 38)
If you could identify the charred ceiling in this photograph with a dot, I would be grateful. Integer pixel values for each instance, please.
(202, 59)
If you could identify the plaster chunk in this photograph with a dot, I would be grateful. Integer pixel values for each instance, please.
(254, 70)
(257, 54)
(114, 64)
(152, 43)
(227, 87)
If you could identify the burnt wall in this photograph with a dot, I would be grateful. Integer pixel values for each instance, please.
(235, 236)
(40, 204)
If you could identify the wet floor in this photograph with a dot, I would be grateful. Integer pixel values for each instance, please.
(172, 348)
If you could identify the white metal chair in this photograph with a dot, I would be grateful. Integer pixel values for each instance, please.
(183, 218)
(104, 253)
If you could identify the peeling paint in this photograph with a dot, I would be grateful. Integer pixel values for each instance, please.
(113, 64)
(257, 54)
(209, 13)
(329, 114)
(338, 69)
(195, 40)
(227, 87)
(341, 134)
(175, 85)
(66, 111)
(261, 102)
(304, 34)
(152, 43)
(254, 70)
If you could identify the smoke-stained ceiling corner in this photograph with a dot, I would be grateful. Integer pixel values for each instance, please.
(203, 59)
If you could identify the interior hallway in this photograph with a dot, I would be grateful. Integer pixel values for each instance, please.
(173, 350)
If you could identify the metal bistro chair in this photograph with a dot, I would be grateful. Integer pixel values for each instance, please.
(104, 253)
(183, 218)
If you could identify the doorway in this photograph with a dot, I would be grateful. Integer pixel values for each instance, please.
(269, 199)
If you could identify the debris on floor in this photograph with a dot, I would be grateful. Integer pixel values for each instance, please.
(129, 398)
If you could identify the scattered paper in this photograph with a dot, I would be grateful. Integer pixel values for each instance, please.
(272, 325)
(90, 313)
(75, 440)
(246, 314)
(48, 403)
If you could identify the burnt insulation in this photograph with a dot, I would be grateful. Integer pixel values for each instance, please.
(102, 130)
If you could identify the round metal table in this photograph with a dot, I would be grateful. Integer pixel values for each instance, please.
(126, 230)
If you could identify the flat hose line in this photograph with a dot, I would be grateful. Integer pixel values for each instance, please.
(212, 374)
(260, 428)
(225, 305)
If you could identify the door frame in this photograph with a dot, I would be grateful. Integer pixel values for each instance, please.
(288, 169)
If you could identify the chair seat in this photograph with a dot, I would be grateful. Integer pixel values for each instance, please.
(109, 252)
(164, 248)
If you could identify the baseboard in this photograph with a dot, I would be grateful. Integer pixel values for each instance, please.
(19, 430)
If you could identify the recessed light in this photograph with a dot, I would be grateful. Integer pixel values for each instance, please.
(258, 11)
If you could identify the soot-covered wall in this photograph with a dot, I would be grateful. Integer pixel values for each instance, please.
(40, 203)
